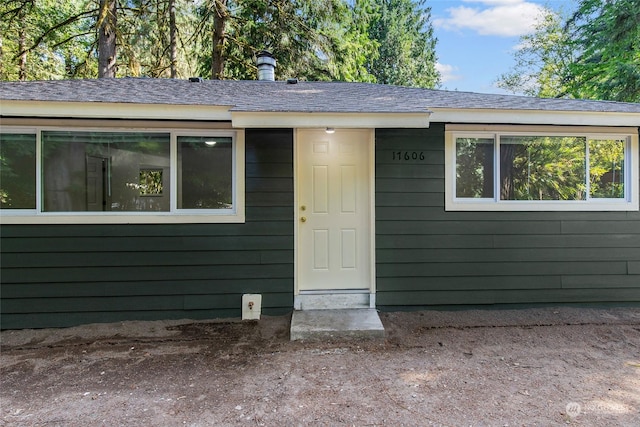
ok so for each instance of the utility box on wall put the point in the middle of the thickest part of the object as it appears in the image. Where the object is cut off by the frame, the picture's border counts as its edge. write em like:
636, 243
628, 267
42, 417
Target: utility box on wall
251, 306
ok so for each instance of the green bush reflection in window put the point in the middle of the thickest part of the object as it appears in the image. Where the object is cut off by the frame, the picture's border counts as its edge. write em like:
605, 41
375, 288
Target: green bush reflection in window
474, 167
606, 168
151, 182
542, 168
17, 171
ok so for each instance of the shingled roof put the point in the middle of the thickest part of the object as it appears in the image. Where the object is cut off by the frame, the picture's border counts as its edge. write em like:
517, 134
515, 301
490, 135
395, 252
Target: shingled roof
303, 97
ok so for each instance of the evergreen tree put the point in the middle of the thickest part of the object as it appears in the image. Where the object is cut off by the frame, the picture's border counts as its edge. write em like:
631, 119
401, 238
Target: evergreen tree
406, 54
541, 60
606, 35
349, 40
594, 54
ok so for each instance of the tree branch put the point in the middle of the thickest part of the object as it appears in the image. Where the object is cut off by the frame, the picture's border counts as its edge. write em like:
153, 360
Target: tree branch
67, 21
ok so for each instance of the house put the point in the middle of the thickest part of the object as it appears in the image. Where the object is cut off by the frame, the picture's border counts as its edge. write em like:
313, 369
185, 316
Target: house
145, 199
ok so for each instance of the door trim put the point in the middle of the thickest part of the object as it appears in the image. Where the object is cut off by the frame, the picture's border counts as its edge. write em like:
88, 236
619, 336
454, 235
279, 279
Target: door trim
296, 217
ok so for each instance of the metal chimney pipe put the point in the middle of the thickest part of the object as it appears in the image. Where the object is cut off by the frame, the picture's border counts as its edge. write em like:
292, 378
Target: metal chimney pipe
266, 66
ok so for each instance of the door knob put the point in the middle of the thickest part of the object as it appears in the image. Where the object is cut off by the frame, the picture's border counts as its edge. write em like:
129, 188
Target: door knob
303, 219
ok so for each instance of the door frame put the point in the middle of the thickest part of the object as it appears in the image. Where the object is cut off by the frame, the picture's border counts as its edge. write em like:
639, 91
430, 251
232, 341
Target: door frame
297, 166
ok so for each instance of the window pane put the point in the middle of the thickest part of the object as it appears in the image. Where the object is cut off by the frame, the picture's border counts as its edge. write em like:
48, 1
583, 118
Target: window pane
17, 171
606, 168
542, 168
205, 172
474, 167
101, 171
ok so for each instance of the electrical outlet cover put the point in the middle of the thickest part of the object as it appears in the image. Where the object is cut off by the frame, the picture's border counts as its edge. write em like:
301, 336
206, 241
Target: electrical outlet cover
252, 313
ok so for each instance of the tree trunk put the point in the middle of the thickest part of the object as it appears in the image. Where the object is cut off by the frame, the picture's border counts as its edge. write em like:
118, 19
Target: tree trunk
2, 73
107, 22
507, 155
173, 48
487, 171
220, 20
22, 46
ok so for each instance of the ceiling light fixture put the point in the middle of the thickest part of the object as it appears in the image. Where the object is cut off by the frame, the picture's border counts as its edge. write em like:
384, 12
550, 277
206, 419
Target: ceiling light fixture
330, 130
210, 143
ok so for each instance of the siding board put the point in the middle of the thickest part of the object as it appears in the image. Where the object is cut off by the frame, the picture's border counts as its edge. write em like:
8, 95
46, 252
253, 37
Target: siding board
144, 244
412, 241
269, 199
436, 269
126, 258
598, 281
257, 184
437, 212
434, 211
568, 241
458, 283
273, 170
410, 170
132, 303
424, 226
508, 255
402, 200
392, 184
601, 227
519, 296
133, 259
256, 227
138, 288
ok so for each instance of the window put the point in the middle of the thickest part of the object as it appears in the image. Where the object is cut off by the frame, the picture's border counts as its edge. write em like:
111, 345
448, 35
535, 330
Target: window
124, 176
205, 176
514, 169
104, 171
542, 167
474, 167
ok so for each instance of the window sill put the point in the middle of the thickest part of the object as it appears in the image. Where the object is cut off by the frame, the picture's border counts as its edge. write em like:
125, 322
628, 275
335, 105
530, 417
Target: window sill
540, 206
126, 218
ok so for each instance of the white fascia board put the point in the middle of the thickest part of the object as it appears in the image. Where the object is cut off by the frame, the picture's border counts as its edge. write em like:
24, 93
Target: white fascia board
109, 110
242, 119
540, 117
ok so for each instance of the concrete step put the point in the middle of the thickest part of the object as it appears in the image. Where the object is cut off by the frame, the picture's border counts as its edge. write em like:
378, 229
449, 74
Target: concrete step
320, 325
332, 300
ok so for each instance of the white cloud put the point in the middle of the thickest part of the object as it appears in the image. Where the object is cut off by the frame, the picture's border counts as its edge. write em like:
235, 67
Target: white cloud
505, 18
499, 2
448, 73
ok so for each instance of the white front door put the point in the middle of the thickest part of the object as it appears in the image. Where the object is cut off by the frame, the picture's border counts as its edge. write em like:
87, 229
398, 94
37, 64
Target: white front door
334, 218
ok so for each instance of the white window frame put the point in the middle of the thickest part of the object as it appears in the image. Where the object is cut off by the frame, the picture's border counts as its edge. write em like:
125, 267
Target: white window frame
631, 180
173, 216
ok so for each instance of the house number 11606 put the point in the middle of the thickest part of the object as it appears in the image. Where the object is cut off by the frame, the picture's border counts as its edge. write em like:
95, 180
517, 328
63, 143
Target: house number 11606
408, 155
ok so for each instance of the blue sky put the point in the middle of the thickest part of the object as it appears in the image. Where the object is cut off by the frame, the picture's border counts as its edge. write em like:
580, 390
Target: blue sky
477, 38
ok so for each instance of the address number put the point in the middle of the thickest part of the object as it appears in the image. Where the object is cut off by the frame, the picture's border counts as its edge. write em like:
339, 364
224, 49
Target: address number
408, 155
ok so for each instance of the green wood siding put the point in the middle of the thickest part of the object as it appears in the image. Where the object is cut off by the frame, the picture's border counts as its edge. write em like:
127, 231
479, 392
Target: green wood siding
427, 257
62, 275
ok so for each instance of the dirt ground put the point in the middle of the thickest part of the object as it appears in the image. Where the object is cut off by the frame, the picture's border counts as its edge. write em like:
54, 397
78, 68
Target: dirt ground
533, 367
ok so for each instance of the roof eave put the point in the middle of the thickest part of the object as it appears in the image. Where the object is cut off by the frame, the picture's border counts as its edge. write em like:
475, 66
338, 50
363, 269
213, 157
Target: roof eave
111, 110
539, 117
246, 119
